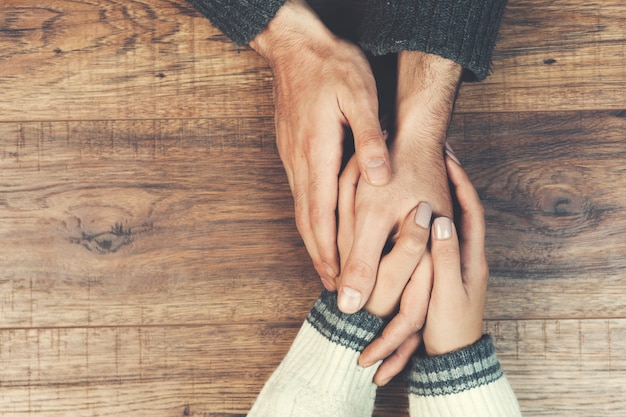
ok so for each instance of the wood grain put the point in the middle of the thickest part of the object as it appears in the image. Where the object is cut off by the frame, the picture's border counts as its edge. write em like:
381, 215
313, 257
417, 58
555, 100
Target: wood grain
123, 60
555, 55
169, 213
553, 189
149, 260
103, 209
217, 370
162, 59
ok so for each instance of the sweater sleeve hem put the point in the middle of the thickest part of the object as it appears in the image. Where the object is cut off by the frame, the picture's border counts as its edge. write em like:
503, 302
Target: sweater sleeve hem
463, 31
465, 383
241, 21
454, 372
353, 331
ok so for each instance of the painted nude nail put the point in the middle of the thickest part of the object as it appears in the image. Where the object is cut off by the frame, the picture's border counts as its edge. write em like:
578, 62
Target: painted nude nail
330, 271
451, 154
443, 228
423, 214
327, 285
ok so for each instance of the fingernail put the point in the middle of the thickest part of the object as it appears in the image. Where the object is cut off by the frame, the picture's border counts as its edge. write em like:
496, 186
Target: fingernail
365, 364
423, 215
384, 382
377, 172
451, 154
349, 300
443, 228
330, 271
327, 285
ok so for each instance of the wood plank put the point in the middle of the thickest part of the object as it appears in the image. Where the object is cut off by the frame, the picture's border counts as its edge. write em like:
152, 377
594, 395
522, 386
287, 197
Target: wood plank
116, 223
146, 223
161, 59
553, 189
157, 371
555, 55
133, 60
564, 367
149, 261
218, 370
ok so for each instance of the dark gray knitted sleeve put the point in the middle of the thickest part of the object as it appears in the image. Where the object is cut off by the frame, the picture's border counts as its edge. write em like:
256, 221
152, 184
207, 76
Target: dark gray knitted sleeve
240, 20
464, 31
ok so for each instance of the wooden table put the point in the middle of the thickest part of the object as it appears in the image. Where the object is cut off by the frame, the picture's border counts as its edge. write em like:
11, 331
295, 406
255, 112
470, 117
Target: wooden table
149, 261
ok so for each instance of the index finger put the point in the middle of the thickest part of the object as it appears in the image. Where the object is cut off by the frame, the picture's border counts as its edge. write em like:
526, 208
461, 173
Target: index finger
472, 221
323, 185
409, 319
358, 276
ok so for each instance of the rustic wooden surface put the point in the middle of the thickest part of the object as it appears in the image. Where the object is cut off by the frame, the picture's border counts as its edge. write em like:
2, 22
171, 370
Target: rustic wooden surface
149, 261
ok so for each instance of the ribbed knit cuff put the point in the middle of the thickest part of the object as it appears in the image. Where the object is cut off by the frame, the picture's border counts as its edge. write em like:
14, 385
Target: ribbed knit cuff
352, 331
463, 31
320, 375
468, 382
240, 20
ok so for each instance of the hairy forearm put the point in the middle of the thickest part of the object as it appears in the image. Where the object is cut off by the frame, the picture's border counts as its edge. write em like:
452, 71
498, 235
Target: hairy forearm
427, 86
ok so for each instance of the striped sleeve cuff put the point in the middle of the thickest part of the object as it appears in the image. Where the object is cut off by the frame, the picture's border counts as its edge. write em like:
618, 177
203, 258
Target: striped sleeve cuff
468, 382
352, 331
463, 31
320, 374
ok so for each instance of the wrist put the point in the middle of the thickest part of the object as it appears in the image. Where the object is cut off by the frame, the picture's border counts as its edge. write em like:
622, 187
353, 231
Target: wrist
427, 75
427, 86
452, 341
294, 25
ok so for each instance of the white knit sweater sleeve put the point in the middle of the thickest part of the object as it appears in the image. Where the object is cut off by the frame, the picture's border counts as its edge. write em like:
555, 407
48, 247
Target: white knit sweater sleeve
464, 383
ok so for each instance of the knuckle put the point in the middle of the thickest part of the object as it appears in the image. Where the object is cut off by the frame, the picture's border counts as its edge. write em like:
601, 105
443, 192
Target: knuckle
357, 269
388, 342
481, 269
483, 266
369, 138
413, 246
480, 209
448, 256
303, 225
415, 322
318, 213
315, 183
303, 222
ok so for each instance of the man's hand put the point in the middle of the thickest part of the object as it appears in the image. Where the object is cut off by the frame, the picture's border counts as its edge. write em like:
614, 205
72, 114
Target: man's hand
322, 85
369, 216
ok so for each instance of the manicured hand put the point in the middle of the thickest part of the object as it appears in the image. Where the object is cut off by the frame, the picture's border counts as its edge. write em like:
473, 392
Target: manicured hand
457, 302
455, 305
371, 215
322, 86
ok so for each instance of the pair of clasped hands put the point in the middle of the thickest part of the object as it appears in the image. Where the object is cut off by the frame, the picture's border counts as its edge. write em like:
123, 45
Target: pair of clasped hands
388, 191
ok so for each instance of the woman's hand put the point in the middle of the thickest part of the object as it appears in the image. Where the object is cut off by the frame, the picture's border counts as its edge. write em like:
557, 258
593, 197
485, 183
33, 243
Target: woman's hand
457, 301
446, 292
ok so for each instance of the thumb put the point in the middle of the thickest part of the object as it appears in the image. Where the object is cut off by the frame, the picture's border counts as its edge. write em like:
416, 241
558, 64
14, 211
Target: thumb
370, 147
